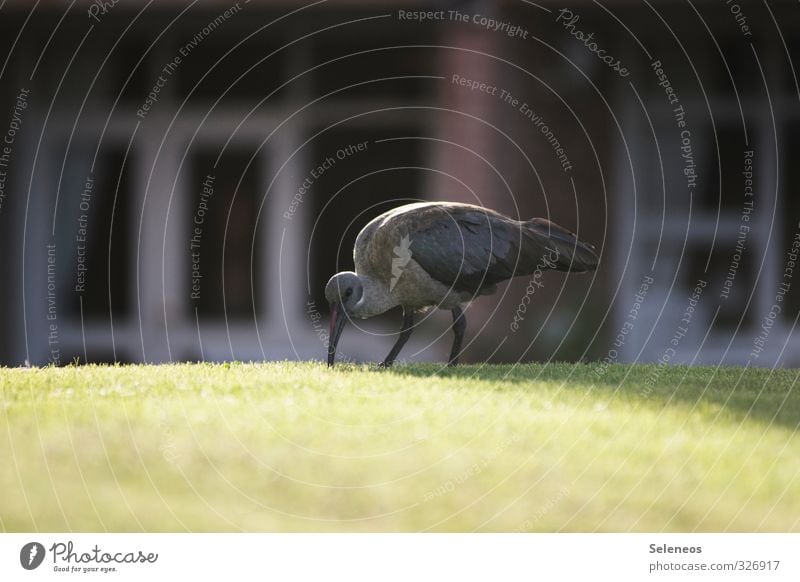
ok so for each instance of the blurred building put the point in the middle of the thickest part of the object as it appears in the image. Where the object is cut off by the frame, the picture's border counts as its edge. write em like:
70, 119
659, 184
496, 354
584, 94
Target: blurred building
184, 177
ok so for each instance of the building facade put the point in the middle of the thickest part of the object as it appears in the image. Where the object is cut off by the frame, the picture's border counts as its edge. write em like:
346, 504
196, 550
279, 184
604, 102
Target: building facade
183, 180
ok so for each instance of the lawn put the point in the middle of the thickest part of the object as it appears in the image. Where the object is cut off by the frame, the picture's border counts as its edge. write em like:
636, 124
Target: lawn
299, 447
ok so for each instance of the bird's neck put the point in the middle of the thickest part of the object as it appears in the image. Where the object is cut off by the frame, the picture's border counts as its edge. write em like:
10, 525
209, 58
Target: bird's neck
376, 299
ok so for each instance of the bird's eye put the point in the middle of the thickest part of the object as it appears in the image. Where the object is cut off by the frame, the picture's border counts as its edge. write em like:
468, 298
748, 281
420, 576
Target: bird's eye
349, 292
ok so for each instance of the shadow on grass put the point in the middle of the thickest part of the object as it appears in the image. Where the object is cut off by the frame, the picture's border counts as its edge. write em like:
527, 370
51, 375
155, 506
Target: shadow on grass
758, 394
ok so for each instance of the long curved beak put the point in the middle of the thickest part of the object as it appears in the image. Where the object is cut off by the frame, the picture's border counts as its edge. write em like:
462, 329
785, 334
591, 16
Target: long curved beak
338, 319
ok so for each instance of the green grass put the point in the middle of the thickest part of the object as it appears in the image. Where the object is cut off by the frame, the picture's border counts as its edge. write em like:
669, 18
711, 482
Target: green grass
297, 447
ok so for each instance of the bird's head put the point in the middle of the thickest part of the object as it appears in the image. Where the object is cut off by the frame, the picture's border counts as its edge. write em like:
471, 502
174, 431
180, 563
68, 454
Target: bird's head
343, 291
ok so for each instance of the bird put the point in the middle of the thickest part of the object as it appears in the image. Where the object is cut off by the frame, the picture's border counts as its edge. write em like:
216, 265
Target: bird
443, 255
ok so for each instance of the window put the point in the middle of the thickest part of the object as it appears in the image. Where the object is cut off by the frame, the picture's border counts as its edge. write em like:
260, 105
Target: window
93, 234
730, 239
222, 242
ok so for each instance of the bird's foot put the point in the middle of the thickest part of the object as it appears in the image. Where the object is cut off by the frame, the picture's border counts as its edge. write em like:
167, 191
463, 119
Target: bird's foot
452, 363
386, 364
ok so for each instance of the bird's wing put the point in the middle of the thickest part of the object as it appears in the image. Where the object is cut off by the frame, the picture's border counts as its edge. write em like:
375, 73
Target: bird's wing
472, 250
467, 250
573, 254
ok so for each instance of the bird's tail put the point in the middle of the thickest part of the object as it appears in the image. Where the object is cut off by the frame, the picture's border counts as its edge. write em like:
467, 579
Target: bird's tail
566, 252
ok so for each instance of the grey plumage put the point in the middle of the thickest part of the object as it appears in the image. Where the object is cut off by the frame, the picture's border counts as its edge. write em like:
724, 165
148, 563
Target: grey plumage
456, 252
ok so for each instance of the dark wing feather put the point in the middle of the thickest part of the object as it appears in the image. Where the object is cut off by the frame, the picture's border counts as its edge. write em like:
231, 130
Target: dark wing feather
573, 255
469, 250
472, 251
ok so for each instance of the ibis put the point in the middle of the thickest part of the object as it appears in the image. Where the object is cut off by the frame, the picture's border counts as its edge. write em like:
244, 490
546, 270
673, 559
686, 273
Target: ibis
443, 255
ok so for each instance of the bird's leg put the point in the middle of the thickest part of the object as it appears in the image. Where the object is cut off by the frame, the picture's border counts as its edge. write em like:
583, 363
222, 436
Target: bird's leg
405, 333
459, 327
